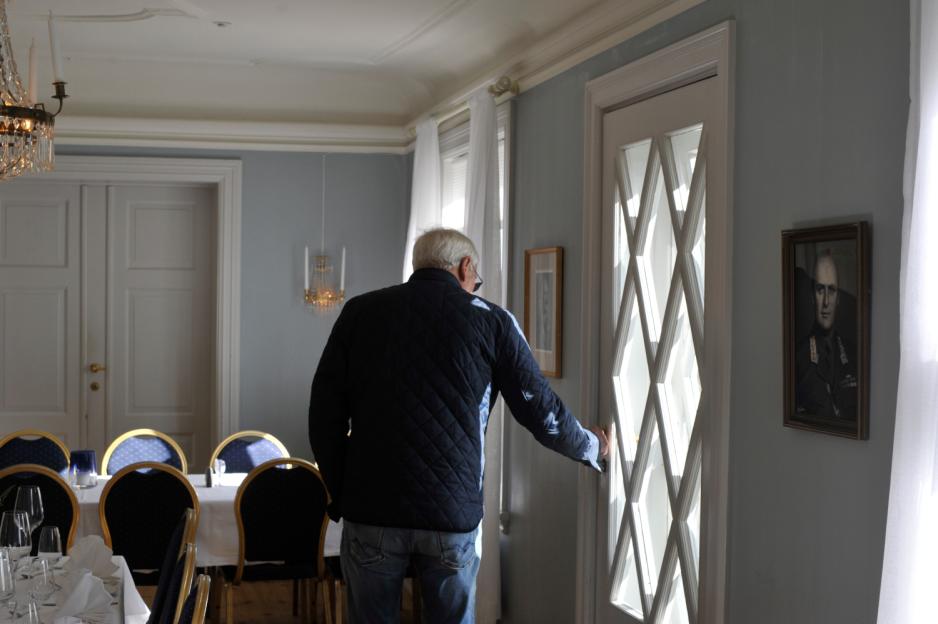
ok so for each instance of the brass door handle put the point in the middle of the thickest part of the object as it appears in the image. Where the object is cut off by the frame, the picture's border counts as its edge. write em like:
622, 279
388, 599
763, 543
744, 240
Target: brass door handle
96, 368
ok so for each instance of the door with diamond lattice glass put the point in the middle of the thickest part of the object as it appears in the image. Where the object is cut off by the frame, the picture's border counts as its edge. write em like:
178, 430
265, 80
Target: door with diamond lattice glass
654, 324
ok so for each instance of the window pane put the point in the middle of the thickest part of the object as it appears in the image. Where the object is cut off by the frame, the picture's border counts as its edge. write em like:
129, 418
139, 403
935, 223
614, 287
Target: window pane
633, 162
653, 515
684, 146
626, 593
679, 393
676, 610
455, 171
630, 382
656, 259
693, 527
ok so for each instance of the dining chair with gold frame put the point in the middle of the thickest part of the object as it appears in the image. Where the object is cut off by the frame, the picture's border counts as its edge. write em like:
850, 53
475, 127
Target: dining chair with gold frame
246, 450
59, 501
139, 510
196, 605
276, 484
143, 445
34, 446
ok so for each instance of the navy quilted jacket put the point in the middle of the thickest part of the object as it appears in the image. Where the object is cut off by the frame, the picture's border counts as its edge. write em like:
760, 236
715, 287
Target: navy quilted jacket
400, 403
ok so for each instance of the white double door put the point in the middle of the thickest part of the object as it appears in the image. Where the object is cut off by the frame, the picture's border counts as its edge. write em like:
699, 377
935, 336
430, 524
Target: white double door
107, 311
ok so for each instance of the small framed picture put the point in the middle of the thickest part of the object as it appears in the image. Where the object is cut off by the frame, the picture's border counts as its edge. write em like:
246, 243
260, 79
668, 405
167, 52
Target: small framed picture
825, 294
543, 303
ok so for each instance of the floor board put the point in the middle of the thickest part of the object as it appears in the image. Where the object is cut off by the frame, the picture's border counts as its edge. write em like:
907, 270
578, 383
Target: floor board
271, 602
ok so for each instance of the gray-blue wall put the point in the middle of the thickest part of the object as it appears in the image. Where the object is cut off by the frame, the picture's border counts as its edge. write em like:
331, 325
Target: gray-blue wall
821, 107
367, 205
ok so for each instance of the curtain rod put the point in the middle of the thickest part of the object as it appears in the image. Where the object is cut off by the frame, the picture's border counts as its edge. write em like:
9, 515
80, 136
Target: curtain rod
503, 89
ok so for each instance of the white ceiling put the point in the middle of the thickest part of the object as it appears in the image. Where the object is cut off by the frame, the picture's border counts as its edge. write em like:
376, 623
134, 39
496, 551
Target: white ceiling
379, 62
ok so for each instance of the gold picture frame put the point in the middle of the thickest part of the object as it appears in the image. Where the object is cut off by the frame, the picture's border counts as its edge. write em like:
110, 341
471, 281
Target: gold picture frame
543, 306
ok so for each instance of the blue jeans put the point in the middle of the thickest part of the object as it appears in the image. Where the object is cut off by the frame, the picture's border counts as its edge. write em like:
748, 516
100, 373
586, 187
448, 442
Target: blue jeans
375, 560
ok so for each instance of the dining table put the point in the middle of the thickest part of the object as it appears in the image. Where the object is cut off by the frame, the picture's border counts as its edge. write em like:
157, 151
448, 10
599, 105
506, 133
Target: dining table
217, 532
127, 606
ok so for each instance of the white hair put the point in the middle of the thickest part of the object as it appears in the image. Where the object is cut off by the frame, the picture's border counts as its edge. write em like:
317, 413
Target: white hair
443, 249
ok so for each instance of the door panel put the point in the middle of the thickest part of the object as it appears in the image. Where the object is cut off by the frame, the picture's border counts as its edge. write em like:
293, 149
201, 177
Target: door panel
653, 327
40, 282
161, 313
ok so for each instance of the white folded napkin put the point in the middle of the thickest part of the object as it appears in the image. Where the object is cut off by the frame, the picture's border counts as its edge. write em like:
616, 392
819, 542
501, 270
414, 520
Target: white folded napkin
90, 553
88, 601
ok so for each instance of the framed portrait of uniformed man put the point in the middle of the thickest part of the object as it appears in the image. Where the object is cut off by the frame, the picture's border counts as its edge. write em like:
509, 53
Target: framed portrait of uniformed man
826, 329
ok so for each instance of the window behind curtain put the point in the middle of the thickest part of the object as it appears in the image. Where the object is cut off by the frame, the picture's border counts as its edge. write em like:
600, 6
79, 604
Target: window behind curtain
455, 171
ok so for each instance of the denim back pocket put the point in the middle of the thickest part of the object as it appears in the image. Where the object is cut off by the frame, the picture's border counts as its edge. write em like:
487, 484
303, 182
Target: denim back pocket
365, 543
457, 550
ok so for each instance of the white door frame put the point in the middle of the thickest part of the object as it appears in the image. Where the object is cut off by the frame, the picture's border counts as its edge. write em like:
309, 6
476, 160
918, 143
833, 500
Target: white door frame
709, 54
225, 176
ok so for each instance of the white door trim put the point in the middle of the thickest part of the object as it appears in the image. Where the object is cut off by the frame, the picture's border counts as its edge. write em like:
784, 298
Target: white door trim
225, 176
709, 54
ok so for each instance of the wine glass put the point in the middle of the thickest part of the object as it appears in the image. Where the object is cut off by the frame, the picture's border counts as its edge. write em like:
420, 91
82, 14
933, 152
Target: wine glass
31, 615
14, 534
7, 580
44, 581
50, 544
29, 499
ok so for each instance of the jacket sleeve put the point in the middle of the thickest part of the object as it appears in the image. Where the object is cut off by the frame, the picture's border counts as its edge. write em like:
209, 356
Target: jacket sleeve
534, 404
329, 410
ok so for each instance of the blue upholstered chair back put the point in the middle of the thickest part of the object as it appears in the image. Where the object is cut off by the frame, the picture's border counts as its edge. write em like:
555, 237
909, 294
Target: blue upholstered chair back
143, 449
40, 450
246, 454
270, 534
60, 506
141, 510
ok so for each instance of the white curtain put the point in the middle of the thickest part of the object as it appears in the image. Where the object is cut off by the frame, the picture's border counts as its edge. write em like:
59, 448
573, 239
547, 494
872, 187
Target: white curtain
910, 565
483, 226
425, 210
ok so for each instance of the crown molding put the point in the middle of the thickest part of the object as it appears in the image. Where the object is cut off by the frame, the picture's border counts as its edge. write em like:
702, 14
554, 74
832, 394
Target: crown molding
607, 25
595, 31
228, 135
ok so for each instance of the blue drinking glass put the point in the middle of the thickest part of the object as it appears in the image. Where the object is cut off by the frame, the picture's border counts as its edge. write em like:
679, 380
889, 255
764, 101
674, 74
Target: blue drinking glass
82, 466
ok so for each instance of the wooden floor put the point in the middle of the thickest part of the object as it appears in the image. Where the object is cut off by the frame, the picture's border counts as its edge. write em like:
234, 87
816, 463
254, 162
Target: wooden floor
271, 602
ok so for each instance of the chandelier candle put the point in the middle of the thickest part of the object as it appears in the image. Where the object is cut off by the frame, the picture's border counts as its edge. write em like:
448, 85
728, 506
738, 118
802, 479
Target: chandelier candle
342, 272
57, 74
31, 89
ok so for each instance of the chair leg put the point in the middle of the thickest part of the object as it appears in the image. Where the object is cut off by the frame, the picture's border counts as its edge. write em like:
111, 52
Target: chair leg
339, 603
303, 600
296, 597
213, 604
311, 603
229, 603
326, 602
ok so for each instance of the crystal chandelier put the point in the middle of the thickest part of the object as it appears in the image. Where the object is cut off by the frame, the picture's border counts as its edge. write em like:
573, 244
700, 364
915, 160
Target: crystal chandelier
322, 294
26, 127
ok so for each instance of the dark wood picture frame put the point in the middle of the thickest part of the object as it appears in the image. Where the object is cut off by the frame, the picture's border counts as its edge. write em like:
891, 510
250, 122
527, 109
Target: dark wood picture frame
543, 306
826, 329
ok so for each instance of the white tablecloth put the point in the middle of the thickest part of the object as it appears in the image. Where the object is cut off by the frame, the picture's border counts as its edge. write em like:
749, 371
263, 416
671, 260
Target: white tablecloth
131, 609
217, 534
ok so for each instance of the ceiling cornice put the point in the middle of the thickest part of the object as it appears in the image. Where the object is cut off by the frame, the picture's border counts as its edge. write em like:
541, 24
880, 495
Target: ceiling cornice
240, 135
599, 29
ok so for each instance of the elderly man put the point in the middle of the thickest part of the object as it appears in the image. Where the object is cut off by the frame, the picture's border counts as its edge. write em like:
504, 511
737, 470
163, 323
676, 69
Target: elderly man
826, 372
397, 419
